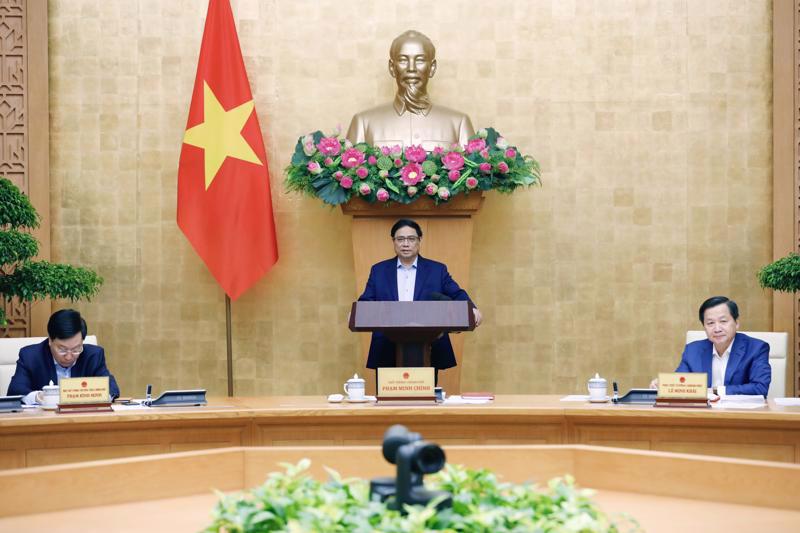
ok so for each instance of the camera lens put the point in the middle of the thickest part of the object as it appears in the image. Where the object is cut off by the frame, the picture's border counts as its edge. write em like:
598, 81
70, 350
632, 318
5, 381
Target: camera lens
429, 459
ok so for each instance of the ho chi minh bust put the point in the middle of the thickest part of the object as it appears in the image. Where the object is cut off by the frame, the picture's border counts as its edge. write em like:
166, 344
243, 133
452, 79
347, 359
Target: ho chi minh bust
411, 119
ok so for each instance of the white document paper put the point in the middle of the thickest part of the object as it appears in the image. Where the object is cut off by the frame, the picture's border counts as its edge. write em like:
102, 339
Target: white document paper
129, 407
788, 402
744, 398
740, 401
576, 398
458, 400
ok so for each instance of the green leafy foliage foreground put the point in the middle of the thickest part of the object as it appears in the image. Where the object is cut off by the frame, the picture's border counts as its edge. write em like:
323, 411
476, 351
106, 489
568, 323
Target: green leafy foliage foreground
20, 275
292, 501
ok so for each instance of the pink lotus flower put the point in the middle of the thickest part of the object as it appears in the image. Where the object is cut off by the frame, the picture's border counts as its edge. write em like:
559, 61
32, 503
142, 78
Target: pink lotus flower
328, 161
431, 189
416, 154
371, 160
385, 150
338, 175
443, 192
364, 189
346, 182
329, 146
453, 161
308, 145
382, 195
362, 172
352, 158
396, 150
398, 163
485, 153
511, 153
314, 167
411, 191
438, 150
475, 145
502, 166
411, 174
472, 182
453, 175
485, 168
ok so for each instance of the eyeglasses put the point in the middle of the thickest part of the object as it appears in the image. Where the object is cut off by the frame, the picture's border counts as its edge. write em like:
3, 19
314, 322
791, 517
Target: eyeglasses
410, 240
65, 351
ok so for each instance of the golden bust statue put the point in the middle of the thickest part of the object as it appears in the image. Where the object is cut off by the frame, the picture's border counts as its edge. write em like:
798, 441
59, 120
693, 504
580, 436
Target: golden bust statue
411, 119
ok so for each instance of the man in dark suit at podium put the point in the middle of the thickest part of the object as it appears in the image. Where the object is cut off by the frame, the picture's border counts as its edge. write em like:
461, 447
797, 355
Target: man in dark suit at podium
410, 277
62, 355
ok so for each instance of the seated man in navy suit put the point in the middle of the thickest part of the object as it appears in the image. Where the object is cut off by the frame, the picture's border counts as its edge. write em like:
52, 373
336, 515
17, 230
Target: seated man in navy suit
734, 362
61, 355
409, 277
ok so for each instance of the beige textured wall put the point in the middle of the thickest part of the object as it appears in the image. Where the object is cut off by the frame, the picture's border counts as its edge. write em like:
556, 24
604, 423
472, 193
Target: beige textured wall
651, 120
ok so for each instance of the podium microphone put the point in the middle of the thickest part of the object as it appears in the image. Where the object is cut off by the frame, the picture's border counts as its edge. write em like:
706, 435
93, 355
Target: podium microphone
439, 297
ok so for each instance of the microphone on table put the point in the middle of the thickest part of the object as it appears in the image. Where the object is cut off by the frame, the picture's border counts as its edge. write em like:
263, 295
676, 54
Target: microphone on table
615, 398
439, 297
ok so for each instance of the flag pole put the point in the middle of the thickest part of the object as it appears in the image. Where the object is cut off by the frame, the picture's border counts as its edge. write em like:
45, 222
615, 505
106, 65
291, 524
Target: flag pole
230, 343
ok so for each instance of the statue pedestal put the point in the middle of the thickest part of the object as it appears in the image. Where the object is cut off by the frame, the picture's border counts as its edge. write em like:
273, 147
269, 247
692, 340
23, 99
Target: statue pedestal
447, 237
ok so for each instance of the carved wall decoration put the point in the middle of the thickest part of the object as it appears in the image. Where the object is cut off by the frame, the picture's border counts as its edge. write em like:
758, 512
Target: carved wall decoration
14, 129
796, 64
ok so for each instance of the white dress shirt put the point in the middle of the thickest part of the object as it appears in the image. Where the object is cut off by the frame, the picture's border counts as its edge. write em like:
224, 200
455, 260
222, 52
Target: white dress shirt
406, 278
719, 364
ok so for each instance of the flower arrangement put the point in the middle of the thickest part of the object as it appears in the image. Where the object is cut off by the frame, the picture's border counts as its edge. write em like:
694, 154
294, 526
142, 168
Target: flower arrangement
334, 170
293, 501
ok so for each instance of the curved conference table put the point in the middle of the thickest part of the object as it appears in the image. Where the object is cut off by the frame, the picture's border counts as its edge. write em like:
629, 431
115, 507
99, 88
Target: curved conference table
38, 438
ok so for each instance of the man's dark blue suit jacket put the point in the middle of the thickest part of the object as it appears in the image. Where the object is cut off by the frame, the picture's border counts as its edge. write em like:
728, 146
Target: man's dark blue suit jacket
432, 277
36, 368
748, 370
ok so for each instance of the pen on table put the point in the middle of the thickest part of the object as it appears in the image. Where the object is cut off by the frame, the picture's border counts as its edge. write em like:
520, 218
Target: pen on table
615, 398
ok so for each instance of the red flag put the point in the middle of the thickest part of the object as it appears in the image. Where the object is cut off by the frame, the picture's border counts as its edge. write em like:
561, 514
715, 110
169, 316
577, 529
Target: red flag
224, 202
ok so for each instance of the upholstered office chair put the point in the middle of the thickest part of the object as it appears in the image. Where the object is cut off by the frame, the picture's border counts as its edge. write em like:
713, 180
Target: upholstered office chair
9, 353
778, 349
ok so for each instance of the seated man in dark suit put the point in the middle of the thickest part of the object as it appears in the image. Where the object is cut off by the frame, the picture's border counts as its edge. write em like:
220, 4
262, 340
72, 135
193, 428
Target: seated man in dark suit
734, 362
62, 355
409, 277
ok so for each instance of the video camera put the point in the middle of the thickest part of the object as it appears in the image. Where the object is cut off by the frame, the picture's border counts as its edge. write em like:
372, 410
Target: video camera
414, 458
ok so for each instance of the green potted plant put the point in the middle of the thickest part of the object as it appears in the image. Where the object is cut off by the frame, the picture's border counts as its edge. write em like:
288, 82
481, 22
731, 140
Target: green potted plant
292, 501
20, 275
782, 275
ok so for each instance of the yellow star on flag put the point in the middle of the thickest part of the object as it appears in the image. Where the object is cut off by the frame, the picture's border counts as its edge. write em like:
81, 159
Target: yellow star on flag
220, 135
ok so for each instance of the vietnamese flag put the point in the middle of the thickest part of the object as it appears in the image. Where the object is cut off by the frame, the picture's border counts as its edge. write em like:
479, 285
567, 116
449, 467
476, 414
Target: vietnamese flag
224, 202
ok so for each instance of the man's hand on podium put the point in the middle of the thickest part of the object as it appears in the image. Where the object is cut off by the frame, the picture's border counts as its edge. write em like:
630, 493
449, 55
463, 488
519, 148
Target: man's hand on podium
478, 316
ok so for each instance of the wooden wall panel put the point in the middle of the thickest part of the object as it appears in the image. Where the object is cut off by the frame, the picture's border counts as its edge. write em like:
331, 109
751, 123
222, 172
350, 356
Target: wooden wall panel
24, 133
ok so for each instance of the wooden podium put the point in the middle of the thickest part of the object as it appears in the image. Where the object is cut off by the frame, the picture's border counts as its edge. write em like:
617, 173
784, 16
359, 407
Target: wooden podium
447, 237
412, 326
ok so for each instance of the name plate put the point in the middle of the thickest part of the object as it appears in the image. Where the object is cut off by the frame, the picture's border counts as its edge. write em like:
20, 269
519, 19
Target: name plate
84, 394
682, 389
406, 383
683, 385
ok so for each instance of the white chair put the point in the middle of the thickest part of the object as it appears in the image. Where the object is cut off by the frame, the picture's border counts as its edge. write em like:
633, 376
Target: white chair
778, 350
9, 353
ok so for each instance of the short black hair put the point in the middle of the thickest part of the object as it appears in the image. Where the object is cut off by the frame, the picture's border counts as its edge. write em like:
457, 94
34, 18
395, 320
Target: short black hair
65, 324
719, 300
406, 222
